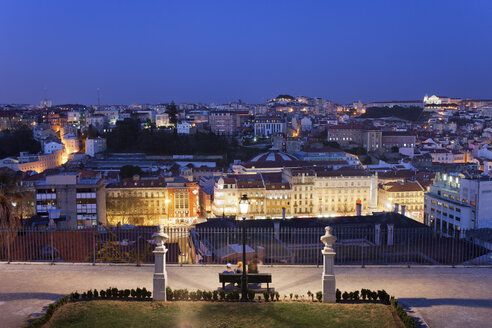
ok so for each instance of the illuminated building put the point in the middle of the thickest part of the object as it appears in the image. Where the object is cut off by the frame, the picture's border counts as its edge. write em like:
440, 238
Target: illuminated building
34, 162
152, 201
300, 192
409, 194
80, 198
457, 202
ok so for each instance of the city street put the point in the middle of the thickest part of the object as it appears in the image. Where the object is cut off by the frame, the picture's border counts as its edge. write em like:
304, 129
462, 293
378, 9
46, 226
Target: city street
444, 297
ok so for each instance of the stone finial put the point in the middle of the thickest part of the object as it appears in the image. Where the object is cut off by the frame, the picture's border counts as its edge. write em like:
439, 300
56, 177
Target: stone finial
328, 239
160, 237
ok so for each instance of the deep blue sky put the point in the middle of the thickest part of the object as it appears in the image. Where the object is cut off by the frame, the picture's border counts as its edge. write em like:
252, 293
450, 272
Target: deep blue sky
204, 51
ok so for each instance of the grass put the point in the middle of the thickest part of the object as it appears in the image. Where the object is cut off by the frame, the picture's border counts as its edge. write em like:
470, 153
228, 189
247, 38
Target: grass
209, 314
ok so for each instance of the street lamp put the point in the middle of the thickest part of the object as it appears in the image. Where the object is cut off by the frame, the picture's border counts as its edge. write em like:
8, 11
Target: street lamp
243, 208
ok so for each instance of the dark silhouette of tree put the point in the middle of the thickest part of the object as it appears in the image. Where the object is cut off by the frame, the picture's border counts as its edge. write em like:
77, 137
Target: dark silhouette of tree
129, 171
172, 111
13, 142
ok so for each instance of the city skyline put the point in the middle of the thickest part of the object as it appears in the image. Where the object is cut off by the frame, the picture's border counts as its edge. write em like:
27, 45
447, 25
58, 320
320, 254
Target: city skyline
155, 53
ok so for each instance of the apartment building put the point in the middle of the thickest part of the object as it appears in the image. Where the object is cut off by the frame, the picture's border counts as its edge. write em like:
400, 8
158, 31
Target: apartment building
297, 192
369, 138
34, 162
457, 202
406, 194
222, 122
152, 201
266, 126
81, 198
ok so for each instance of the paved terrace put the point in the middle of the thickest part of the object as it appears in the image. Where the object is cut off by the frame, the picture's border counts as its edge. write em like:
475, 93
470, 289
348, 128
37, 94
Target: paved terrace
444, 297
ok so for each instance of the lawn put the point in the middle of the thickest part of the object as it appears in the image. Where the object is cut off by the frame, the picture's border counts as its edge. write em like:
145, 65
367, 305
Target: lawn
211, 314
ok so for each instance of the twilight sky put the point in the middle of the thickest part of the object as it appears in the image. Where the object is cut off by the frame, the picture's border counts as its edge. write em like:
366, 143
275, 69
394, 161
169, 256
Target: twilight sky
204, 51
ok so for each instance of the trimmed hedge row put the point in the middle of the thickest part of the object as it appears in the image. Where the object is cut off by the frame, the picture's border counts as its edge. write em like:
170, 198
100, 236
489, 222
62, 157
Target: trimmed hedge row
203, 295
112, 293
49, 313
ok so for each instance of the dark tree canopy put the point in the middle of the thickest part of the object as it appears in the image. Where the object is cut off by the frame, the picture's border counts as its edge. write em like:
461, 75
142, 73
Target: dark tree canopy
12, 143
172, 111
129, 171
411, 113
128, 137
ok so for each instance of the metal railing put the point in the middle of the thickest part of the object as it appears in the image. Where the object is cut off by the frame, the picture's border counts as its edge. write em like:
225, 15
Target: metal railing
354, 246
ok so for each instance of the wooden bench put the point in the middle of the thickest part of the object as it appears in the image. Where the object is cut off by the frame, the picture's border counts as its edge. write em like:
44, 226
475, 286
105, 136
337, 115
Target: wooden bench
253, 278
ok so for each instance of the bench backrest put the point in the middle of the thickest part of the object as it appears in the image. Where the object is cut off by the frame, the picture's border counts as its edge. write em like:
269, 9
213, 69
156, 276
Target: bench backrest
252, 277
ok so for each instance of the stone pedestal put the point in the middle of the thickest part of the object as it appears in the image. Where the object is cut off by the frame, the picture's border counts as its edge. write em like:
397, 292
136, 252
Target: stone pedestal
328, 277
160, 273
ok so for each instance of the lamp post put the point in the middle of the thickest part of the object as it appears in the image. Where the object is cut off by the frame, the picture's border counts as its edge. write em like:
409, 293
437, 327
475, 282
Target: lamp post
243, 208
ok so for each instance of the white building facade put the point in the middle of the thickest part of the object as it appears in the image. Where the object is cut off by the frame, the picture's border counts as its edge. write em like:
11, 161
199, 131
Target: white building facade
456, 202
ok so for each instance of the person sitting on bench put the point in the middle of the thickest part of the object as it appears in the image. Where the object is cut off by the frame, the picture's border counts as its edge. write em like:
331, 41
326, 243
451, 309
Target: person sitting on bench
253, 268
228, 268
239, 268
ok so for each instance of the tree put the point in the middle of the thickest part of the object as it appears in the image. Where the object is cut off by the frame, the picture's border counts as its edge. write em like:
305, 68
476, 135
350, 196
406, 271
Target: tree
12, 143
129, 171
333, 144
172, 111
10, 194
92, 132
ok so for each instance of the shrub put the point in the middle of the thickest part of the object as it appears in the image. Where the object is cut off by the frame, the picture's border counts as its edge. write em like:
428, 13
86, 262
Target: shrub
363, 293
199, 295
345, 296
84, 295
374, 296
319, 296
277, 295
296, 296
266, 295
96, 293
408, 321
138, 292
207, 296
169, 293
338, 295
121, 293
291, 296
103, 294
356, 295
114, 292
384, 296
215, 295
90, 294
251, 295
145, 293
193, 296
222, 295
133, 293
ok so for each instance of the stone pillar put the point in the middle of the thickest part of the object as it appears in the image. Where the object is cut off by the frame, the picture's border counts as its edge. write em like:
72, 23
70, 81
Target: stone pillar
377, 234
328, 277
390, 234
160, 273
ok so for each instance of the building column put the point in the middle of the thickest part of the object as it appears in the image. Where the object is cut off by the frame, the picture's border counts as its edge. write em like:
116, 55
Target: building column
160, 273
328, 277
373, 200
